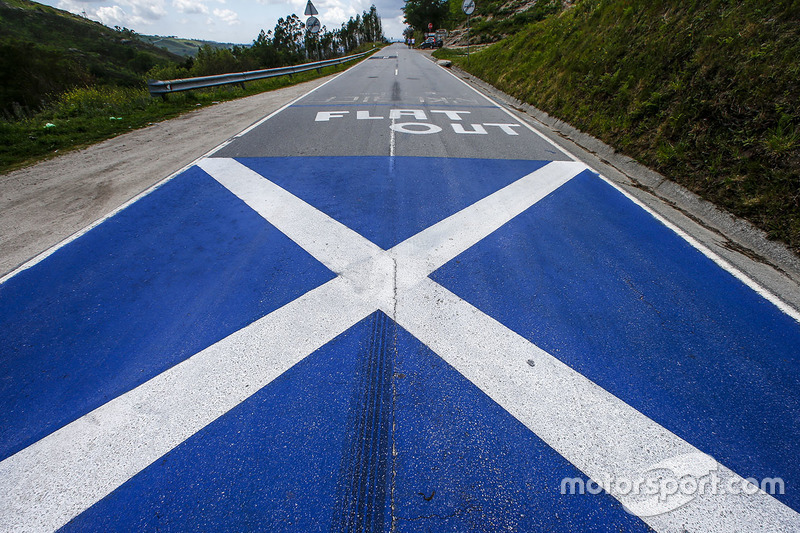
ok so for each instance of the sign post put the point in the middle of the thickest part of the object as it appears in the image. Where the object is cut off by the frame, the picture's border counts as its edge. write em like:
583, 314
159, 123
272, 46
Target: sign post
468, 6
313, 25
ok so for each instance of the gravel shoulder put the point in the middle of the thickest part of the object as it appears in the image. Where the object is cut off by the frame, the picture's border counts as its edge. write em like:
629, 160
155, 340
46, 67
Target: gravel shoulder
44, 204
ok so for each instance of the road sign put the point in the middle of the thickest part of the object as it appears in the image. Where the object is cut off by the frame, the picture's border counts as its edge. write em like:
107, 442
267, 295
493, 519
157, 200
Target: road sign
310, 9
469, 8
430, 25
312, 24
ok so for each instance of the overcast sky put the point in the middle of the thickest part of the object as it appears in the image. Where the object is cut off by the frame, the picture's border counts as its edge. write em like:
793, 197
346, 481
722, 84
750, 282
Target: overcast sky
234, 21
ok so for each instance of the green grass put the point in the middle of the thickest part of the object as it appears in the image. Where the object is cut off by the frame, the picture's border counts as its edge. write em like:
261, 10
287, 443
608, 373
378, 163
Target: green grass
450, 53
497, 19
85, 116
504, 21
705, 92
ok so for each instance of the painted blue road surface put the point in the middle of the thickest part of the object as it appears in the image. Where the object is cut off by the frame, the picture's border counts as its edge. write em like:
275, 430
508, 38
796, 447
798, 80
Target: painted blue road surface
417, 332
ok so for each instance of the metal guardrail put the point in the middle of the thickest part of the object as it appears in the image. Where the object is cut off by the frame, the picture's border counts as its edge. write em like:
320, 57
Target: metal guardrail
163, 88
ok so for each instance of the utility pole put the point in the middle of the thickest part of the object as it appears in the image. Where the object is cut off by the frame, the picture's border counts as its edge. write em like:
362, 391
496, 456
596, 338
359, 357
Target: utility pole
313, 25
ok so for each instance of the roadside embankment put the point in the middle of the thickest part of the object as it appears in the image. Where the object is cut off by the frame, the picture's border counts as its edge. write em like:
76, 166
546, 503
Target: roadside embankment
705, 93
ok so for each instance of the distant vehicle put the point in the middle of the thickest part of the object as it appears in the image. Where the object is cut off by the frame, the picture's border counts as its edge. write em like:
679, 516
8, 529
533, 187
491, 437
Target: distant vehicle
432, 42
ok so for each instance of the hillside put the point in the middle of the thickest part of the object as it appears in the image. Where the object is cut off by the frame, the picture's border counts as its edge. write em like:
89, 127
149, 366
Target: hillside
705, 92
495, 20
45, 51
181, 47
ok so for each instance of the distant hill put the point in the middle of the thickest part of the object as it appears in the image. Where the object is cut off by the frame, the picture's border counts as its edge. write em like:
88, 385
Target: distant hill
182, 47
45, 51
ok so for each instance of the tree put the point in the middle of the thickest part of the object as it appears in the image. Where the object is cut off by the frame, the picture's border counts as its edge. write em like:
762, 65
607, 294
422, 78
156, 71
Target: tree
420, 13
371, 23
210, 61
288, 39
328, 43
263, 51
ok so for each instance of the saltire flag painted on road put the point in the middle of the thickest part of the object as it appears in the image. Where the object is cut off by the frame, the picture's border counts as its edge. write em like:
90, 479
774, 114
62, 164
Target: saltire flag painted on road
389, 416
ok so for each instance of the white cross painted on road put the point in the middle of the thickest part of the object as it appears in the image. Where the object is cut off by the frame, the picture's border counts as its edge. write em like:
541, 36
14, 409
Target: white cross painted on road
45, 485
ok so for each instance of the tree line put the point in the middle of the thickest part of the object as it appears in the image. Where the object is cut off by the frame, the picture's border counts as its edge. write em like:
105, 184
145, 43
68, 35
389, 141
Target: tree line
288, 43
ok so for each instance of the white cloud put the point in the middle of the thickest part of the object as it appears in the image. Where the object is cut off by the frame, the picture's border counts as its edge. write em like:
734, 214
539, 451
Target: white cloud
336, 14
227, 16
81, 7
146, 10
393, 27
71, 6
139, 12
190, 7
112, 16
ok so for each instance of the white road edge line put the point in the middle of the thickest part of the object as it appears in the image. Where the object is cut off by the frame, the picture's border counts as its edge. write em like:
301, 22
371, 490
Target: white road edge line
713, 256
716, 258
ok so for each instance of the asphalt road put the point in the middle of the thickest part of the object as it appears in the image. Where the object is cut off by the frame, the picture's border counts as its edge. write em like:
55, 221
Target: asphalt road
393, 306
433, 113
